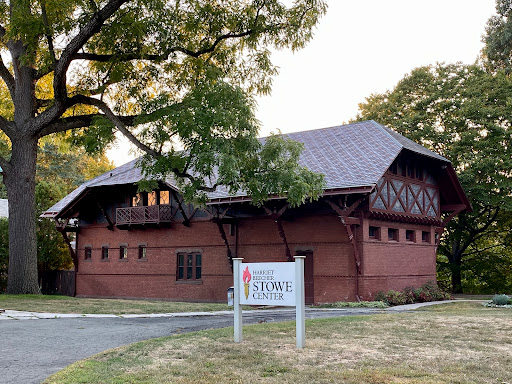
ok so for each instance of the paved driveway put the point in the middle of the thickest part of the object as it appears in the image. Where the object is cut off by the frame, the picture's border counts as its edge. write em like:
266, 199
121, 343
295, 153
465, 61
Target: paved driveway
31, 350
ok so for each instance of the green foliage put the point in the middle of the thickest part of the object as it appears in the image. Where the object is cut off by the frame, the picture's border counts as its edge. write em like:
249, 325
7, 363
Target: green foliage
177, 77
230, 153
501, 300
498, 38
463, 113
349, 304
409, 295
59, 171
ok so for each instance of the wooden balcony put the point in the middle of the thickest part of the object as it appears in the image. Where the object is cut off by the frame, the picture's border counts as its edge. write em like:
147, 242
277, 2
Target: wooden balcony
153, 214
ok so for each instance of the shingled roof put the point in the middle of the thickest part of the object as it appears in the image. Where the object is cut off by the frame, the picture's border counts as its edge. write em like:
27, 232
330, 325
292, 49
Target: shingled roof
350, 156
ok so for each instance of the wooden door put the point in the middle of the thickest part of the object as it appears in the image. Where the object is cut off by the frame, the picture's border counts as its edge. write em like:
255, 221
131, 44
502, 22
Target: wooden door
309, 282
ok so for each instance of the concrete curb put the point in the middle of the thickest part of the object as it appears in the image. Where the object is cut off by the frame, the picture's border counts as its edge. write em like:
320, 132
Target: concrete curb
22, 315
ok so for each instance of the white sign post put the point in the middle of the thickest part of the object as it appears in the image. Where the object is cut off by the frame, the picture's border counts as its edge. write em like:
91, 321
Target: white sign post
236, 300
300, 310
279, 284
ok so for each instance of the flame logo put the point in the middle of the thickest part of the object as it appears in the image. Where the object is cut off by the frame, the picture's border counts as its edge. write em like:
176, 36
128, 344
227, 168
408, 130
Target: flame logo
246, 277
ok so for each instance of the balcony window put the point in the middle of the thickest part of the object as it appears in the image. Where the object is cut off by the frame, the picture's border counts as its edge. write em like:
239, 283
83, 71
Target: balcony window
410, 235
164, 197
425, 237
152, 198
137, 200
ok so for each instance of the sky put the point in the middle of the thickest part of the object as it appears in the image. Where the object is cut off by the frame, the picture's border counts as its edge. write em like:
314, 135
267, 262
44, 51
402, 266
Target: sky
361, 47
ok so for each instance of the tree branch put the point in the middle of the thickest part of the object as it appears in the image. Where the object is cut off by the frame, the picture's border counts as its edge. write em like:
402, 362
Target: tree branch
47, 32
164, 56
81, 121
92, 27
8, 78
116, 120
121, 122
6, 126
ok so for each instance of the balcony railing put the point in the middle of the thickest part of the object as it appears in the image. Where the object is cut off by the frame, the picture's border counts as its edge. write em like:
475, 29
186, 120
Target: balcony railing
153, 214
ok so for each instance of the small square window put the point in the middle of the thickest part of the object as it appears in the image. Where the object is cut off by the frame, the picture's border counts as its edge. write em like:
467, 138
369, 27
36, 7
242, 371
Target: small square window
392, 234
123, 252
142, 251
104, 253
425, 237
410, 235
88, 253
374, 233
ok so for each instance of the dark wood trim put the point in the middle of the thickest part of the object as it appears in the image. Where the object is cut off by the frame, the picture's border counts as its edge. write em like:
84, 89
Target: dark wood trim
387, 185
276, 216
186, 220
110, 225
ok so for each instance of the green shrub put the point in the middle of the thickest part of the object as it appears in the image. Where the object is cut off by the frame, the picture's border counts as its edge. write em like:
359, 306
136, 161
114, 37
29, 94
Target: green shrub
348, 304
409, 295
501, 300
395, 298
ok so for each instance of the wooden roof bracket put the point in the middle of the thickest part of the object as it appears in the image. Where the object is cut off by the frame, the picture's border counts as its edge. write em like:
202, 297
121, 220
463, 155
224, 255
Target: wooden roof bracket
217, 219
458, 208
186, 220
110, 225
276, 216
348, 222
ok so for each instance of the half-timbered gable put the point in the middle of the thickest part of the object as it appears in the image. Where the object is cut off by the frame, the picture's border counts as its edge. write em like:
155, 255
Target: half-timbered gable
376, 227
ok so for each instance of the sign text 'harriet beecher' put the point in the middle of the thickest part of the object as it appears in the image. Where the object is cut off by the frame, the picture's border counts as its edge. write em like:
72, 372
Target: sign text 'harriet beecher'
267, 284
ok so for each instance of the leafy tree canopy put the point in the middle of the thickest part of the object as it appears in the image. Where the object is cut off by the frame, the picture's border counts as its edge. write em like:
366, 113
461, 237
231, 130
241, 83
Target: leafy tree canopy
463, 113
176, 77
498, 38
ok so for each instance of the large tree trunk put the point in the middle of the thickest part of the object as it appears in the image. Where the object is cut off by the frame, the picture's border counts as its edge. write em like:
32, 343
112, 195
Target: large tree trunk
20, 183
455, 259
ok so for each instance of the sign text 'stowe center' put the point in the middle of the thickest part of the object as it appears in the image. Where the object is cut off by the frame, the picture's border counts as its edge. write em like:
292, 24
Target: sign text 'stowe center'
267, 284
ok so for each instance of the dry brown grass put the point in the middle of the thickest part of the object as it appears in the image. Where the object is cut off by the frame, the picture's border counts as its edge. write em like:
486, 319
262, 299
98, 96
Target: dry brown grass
462, 343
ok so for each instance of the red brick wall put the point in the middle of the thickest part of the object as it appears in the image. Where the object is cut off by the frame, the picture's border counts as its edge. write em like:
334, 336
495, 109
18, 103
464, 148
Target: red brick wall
385, 264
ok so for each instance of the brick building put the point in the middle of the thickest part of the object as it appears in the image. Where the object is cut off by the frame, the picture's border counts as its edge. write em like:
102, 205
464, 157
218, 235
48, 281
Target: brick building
386, 202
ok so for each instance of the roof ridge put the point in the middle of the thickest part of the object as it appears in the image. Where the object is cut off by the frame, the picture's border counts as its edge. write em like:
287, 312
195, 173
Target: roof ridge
321, 129
99, 177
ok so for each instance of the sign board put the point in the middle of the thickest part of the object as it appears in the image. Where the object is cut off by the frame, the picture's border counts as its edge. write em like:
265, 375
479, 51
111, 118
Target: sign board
267, 284
279, 284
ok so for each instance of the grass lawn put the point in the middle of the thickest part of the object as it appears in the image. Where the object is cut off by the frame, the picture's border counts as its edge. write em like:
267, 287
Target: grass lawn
66, 304
450, 343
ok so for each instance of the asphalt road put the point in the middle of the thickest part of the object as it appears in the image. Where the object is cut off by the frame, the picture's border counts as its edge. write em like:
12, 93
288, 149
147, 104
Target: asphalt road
31, 350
